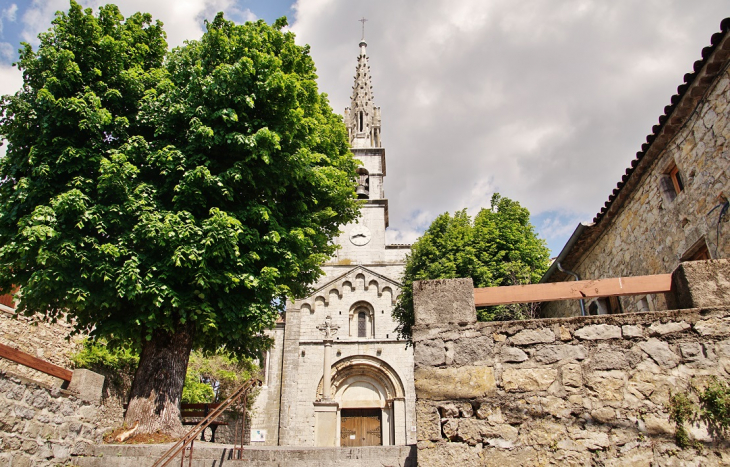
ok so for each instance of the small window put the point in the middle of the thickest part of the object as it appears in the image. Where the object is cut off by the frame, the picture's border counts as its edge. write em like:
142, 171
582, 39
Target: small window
361, 123
361, 325
671, 183
676, 179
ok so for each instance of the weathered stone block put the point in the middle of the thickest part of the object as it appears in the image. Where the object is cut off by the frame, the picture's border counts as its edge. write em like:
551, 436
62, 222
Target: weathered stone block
553, 353
658, 425
449, 410
592, 440
87, 385
691, 351
608, 385
598, 332
469, 351
528, 379
572, 375
713, 327
489, 412
444, 301
429, 353
429, 422
467, 382
604, 414
533, 336
513, 355
628, 331
660, 352
659, 329
700, 284
606, 359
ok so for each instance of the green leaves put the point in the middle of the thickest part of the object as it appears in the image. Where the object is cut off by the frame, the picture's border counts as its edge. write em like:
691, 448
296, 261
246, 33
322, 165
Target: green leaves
143, 189
498, 247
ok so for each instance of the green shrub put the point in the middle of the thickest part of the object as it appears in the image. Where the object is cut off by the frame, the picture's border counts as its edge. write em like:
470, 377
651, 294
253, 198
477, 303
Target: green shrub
715, 408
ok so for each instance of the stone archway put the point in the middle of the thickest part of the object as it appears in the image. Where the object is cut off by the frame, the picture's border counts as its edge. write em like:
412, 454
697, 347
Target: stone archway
368, 388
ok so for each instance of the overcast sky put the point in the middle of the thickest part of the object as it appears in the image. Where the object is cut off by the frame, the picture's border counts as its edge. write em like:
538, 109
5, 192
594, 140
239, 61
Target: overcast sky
543, 102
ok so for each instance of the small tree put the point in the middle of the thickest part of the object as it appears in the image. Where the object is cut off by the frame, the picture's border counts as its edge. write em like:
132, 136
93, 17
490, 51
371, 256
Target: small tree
498, 247
168, 199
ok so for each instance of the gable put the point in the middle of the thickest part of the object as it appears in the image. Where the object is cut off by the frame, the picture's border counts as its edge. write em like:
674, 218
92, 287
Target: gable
350, 281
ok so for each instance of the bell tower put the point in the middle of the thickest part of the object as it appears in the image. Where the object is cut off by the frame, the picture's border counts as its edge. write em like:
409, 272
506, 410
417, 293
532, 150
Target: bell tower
354, 388
364, 241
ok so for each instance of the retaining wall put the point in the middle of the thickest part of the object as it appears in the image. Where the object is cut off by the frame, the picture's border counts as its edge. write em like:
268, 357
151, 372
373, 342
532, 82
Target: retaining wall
44, 425
567, 391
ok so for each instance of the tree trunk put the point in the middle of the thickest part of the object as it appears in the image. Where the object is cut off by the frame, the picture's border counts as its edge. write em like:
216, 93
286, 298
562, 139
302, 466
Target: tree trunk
158, 383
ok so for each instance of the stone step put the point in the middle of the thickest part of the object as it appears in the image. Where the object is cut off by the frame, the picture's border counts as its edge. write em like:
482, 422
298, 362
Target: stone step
217, 455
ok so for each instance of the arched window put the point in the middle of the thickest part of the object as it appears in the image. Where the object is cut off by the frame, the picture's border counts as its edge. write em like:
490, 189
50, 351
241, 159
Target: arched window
362, 325
361, 130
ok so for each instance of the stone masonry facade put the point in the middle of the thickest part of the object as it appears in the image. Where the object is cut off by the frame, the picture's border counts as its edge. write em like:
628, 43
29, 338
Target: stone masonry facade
653, 229
564, 391
42, 425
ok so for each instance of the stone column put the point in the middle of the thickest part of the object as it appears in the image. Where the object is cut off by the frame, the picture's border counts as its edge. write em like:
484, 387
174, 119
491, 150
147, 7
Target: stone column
327, 371
400, 422
325, 410
387, 428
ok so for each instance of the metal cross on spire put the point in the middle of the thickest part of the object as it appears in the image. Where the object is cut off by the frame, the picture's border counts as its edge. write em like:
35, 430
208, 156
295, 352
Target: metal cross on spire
363, 20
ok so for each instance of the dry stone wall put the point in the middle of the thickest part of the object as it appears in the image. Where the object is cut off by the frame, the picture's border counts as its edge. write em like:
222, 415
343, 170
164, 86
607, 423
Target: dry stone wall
44, 425
563, 391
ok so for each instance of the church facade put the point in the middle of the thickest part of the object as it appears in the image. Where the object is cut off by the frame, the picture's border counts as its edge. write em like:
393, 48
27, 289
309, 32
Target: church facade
345, 325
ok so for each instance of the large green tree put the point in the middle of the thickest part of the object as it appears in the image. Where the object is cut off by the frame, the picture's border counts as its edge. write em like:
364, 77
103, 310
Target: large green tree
168, 198
497, 247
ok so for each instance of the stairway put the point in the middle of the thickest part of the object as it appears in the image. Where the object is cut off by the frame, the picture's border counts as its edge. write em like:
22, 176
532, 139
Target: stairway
217, 455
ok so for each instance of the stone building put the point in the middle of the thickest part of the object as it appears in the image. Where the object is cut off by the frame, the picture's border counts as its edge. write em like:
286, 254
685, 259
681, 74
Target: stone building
371, 400
667, 207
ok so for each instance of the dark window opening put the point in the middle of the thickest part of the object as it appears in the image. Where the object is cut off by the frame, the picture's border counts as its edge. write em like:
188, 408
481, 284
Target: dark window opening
361, 329
361, 126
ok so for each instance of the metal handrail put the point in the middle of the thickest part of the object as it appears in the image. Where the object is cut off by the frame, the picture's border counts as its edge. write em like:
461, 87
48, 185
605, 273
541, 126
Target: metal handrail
189, 438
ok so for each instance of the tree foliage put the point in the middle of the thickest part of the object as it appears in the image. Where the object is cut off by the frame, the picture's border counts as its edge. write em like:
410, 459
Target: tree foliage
143, 190
209, 378
223, 372
497, 247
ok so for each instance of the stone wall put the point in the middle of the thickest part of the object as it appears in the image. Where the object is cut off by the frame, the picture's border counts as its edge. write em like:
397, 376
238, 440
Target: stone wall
47, 341
654, 231
44, 425
562, 391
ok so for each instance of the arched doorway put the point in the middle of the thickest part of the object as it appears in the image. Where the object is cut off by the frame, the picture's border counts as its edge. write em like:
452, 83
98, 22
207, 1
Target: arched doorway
371, 401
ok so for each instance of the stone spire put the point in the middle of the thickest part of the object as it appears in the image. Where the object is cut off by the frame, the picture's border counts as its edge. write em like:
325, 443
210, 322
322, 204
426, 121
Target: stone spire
362, 118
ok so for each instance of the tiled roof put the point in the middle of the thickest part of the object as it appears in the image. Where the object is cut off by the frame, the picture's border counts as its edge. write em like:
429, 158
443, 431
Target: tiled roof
681, 107
670, 122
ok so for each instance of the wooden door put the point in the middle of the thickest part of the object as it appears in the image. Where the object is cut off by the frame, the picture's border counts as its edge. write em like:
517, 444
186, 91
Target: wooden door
360, 427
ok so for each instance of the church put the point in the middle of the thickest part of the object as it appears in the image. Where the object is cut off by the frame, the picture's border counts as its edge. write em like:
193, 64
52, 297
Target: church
337, 374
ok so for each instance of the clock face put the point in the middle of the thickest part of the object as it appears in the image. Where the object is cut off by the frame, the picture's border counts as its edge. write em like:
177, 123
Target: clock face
360, 235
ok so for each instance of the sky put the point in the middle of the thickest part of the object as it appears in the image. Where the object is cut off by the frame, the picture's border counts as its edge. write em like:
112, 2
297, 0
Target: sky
543, 102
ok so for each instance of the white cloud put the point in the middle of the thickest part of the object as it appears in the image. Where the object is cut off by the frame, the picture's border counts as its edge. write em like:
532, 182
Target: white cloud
544, 103
7, 51
11, 79
183, 19
7, 14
